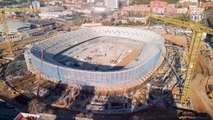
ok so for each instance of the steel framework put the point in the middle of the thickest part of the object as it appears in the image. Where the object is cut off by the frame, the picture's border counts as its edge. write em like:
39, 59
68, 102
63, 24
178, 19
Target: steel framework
196, 38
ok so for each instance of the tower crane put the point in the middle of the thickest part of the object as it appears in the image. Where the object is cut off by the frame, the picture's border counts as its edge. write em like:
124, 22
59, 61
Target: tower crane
5, 31
196, 38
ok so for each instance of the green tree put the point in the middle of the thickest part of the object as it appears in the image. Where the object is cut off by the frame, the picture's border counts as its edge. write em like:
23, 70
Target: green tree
184, 17
141, 2
107, 23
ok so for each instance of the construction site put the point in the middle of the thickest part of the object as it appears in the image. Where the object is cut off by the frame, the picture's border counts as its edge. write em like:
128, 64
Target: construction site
122, 72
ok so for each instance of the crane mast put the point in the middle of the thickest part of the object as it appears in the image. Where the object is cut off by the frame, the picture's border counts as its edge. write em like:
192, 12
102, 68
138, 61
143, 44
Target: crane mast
5, 30
194, 48
5, 33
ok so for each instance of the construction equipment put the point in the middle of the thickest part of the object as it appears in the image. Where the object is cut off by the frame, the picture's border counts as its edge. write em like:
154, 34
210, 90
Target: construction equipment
23, 80
67, 98
196, 37
5, 30
210, 91
210, 95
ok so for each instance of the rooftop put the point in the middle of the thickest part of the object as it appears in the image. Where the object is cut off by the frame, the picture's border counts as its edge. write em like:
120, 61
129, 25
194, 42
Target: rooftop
15, 25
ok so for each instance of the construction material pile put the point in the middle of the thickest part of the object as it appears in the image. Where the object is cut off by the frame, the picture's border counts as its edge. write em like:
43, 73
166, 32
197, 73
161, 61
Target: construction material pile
16, 68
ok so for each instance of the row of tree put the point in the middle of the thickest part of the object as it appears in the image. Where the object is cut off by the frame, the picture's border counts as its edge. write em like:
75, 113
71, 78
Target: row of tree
119, 23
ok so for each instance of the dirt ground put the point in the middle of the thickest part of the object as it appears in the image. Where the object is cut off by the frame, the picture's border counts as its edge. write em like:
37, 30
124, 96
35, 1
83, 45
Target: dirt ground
204, 64
200, 100
105, 52
204, 69
176, 40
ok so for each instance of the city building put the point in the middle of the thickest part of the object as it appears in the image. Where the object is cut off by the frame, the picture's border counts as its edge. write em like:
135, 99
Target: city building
36, 4
206, 5
27, 116
158, 7
15, 28
136, 8
170, 10
196, 14
45, 25
127, 2
158, 4
182, 10
76, 5
52, 8
99, 9
184, 4
191, 1
158, 10
50, 15
113, 4
91, 1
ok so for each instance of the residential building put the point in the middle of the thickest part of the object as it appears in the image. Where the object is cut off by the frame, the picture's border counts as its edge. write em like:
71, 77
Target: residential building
36, 4
158, 10
113, 4
182, 10
171, 10
158, 4
191, 1
91, 1
136, 8
99, 9
206, 5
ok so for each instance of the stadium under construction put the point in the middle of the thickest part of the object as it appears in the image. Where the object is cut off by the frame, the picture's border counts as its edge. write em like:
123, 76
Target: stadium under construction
105, 67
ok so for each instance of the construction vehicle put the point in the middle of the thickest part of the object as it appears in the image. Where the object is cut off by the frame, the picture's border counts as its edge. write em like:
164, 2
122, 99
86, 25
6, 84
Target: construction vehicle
196, 37
67, 98
23, 80
210, 91
210, 95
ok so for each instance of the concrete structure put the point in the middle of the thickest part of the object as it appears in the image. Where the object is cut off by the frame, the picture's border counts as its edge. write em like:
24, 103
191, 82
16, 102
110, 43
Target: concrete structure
27, 116
91, 1
76, 5
50, 15
16, 27
171, 9
58, 50
184, 4
36, 4
158, 4
191, 1
136, 8
113, 4
196, 14
206, 5
158, 10
182, 10
52, 8
127, 2
91, 25
158, 7
99, 9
